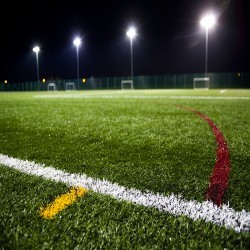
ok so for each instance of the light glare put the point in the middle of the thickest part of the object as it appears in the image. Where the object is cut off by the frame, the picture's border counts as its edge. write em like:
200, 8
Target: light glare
208, 21
77, 41
36, 49
131, 33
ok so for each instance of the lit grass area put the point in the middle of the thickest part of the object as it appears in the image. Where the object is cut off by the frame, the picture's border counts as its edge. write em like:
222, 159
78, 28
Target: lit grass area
138, 142
144, 93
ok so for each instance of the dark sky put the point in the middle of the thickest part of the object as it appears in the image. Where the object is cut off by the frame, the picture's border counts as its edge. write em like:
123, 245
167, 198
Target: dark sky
170, 39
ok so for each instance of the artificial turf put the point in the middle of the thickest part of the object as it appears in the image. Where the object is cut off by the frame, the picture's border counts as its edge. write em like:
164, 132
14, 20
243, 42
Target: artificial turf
138, 139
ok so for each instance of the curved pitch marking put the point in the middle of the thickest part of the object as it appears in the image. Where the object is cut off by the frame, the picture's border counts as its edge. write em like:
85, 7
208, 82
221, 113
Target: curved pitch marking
220, 176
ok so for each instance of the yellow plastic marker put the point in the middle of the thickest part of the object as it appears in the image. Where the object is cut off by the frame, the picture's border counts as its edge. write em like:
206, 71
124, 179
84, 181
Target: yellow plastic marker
61, 202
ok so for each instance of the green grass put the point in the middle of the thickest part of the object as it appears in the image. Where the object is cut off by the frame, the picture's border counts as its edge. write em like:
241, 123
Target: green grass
144, 143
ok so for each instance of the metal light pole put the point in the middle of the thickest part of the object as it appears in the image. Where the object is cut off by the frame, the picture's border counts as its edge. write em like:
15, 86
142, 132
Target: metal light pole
36, 49
131, 33
207, 21
77, 43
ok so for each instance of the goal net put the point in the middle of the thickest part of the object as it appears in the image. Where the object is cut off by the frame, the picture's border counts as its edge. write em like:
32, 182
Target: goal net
51, 86
127, 84
201, 83
70, 86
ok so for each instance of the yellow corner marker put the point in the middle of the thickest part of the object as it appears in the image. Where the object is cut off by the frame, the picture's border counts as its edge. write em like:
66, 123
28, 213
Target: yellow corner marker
62, 202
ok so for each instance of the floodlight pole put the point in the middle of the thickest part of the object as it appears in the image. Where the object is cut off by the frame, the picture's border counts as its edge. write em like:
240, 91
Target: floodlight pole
77, 59
36, 49
208, 21
206, 56
131, 53
131, 33
77, 42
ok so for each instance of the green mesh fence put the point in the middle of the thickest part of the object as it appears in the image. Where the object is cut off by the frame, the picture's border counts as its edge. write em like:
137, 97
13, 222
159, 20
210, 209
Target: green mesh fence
184, 81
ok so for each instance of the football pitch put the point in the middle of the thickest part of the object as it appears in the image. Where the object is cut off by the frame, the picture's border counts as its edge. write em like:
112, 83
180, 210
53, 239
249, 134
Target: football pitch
125, 169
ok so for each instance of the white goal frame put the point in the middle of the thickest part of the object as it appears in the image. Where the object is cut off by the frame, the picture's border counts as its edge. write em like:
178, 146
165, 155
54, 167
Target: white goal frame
51, 86
70, 86
127, 84
201, 83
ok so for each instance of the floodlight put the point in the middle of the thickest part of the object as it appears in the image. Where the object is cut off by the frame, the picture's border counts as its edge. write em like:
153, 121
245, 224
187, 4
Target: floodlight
131, 33
77, 41
208, 21
36, 49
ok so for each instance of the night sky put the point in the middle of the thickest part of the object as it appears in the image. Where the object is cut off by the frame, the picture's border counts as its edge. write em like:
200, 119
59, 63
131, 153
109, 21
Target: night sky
170, 39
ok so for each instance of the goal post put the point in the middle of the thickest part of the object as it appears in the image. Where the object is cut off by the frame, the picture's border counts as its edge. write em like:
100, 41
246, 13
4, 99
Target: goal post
127, 84
201, 82
51, 86
70, 86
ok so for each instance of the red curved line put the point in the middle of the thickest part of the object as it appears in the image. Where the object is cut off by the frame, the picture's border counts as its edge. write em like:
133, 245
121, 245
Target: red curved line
220, 177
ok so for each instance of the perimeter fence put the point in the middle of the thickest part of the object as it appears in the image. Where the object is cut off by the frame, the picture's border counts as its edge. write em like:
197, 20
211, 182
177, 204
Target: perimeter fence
173, 81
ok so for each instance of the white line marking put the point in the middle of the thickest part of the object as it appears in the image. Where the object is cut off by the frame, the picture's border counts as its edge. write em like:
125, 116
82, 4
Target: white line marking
175, 205
223, 91
142, 97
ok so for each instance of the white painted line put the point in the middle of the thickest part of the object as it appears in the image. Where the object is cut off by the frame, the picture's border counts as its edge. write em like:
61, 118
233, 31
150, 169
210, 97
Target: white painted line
141, 97
223, 91
173, 204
